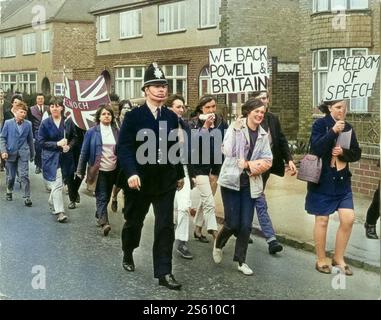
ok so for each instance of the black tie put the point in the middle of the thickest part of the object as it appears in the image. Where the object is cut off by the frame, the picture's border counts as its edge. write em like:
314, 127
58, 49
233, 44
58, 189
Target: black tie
158, 112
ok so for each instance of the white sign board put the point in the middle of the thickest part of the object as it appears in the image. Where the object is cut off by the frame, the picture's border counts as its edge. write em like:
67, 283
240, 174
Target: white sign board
241, 69
351, 77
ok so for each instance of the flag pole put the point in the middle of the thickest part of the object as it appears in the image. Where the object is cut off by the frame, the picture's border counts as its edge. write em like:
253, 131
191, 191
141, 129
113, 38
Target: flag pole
64, 83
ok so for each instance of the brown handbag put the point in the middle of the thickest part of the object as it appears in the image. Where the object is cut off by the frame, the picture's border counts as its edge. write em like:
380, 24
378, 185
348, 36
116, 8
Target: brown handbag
310, 167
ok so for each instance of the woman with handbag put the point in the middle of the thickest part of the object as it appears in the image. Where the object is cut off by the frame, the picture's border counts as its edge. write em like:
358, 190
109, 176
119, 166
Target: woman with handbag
334, 191
99, 154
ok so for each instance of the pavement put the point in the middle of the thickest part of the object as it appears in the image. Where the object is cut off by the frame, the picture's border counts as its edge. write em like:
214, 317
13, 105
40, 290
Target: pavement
294, 226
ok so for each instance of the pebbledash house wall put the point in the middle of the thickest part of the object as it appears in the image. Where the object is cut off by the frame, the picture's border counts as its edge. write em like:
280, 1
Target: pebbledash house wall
362, 30
274, 24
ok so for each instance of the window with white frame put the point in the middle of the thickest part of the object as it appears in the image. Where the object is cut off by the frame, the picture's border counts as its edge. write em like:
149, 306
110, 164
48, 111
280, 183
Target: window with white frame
321, 60
104, 28
45, 41
172, 17
333, 5
129, 81
204, 81
28, 82
9, 81
176, 75
59, 89
29, 43
9, 47
130, 24
208, 13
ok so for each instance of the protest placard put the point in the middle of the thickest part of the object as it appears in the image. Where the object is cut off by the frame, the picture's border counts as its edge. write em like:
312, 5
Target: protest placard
351, 77
240, 69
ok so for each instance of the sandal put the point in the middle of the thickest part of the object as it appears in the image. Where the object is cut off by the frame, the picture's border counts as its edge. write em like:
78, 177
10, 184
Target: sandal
345, 269
323, 269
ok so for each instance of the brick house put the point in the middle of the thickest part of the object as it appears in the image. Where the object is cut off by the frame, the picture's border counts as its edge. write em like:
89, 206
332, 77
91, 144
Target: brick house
332, 28
176, 34
39, 38
274, 24
179, 34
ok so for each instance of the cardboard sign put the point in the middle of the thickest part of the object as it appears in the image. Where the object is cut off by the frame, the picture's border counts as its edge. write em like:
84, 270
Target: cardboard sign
241, 69
351, 77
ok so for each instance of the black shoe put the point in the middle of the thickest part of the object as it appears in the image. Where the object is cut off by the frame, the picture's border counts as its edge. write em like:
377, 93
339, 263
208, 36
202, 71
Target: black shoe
28, 202
201, 238
114, 205
128, 263
184, 251
9, 196
78, 199
170, 282
38, 170
71, 205
250, 240
274, 247
370, 231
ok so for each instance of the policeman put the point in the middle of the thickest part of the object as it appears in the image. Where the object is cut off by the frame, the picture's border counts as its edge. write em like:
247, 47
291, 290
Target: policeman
152, 177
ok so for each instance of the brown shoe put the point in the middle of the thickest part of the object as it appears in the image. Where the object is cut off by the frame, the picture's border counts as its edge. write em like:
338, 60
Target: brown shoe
323, 269
344, 268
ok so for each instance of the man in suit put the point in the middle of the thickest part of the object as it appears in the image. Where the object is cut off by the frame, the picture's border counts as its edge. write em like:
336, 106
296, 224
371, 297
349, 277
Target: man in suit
153, 182
35, 116
16, 147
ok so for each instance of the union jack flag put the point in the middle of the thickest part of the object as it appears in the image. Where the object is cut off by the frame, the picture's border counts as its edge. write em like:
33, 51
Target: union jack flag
82, 99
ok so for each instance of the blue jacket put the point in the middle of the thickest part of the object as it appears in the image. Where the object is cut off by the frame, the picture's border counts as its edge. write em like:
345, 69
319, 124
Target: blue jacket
48, 136
91, 153
16, 144
323, 139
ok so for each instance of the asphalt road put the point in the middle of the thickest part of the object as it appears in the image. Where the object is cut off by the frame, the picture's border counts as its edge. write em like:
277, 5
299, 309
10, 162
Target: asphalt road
42, 259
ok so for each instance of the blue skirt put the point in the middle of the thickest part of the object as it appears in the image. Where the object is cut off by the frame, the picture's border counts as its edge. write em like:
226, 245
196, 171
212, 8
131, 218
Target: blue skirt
323, 204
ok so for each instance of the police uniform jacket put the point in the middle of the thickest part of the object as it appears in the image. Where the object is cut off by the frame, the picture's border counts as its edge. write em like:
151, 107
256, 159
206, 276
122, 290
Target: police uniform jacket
161, 175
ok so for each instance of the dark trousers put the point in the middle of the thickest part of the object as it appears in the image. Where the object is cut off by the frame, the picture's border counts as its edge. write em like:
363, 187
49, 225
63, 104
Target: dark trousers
135, 210
239, 212
103, 190
73, 184
37, 156
374, 209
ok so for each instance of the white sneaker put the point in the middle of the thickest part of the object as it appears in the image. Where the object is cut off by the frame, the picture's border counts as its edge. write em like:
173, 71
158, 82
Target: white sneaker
245, 269
217, 254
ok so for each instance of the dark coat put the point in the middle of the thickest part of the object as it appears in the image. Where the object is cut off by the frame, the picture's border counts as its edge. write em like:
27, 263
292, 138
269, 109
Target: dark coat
68, 163
35, 117
52, 155
323, 139
279, 147
212, 166
156, 177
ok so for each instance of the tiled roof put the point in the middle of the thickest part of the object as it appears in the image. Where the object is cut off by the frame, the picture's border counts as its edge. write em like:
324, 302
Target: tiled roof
51, 10
113, 4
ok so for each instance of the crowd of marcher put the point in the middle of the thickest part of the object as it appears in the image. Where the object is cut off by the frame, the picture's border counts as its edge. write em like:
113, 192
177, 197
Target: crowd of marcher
201, 152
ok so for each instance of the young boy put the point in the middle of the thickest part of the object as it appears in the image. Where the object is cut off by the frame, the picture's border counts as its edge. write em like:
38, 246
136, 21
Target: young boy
16, 147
